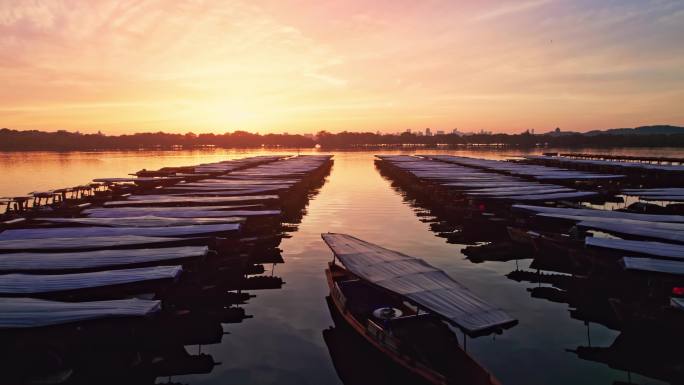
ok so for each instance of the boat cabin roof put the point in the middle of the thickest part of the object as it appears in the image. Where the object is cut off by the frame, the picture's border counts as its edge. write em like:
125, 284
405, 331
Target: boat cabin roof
418, 282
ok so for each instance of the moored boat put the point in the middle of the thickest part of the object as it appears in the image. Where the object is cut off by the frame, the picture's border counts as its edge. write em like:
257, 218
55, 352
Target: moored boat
405, 308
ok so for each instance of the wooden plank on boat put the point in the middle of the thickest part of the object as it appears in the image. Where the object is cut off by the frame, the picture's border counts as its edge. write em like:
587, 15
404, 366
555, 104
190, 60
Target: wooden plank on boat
653, 249
55, 245
32, 313
142, 221
97, 260
32, 284
74, 232
651, 265
165, 200
419, 282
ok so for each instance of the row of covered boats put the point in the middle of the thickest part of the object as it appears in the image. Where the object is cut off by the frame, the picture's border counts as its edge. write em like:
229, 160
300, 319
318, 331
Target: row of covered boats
113, 285
144, 266
620, 265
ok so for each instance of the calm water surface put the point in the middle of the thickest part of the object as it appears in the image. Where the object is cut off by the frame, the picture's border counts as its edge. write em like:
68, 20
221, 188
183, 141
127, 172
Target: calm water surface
283, 343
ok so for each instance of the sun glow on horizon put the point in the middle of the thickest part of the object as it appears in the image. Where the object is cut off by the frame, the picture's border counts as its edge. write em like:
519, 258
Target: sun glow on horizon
305, 66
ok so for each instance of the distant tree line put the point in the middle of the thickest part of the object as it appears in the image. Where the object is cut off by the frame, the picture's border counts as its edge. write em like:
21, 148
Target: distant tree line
525, 139
14, 140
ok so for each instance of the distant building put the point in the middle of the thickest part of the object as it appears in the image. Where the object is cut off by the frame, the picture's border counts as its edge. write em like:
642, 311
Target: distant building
558, 132
408, 130
428, 132
439, 132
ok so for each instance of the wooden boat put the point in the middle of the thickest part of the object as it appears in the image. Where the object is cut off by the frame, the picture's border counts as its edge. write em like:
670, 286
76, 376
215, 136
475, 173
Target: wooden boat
402, 306
34, 313
55, 245
168, 200
96, 231
141, 221
87, 261
98, 284
359, 363
192, 212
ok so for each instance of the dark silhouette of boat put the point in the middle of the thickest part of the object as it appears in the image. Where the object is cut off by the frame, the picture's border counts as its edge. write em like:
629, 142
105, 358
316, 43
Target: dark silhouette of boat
404, 307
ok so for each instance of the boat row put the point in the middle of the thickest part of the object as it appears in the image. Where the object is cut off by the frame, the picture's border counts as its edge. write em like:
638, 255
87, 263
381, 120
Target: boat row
614, 265
144, 271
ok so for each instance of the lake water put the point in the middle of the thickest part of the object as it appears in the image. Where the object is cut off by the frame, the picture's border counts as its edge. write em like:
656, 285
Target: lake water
283, 343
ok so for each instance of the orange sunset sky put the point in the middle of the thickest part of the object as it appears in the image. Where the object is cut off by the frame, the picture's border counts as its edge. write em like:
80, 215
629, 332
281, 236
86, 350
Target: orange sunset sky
304, 66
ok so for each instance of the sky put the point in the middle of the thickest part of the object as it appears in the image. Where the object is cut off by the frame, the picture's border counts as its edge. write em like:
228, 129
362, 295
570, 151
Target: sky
303, 66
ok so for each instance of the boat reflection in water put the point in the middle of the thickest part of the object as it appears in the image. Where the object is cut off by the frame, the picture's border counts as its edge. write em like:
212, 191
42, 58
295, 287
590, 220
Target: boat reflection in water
403, 307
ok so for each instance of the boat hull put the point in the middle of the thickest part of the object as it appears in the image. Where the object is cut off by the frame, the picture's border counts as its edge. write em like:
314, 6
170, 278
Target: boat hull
475, 374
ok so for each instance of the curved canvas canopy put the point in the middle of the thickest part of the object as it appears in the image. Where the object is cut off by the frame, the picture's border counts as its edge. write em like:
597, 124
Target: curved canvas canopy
31, 312
27, 284
95, 231
419, 282
96, 260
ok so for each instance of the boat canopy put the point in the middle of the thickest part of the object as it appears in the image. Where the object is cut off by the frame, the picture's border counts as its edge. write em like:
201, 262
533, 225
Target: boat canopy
96, 231
652, 249
669, 232
100, 259
28, 284
141, 221
419, 282
164, 200
650, 265
55, 245
31, 312
598, 213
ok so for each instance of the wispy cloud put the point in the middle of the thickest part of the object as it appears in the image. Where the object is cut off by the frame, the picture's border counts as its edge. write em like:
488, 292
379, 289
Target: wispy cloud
510, 9
205, 64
